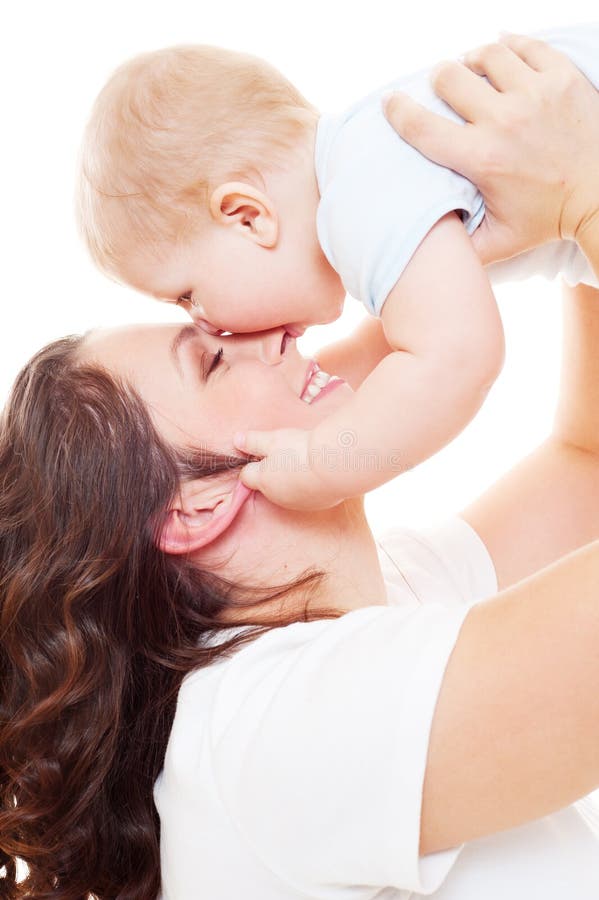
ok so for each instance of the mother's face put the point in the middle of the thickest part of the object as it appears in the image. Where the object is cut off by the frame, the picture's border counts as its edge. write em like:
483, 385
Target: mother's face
200, 395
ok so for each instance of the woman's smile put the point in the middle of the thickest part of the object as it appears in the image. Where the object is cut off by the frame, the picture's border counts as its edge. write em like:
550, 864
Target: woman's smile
318, 382
202, 388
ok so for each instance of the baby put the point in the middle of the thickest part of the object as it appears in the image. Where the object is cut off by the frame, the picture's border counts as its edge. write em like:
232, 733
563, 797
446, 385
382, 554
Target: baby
207, 180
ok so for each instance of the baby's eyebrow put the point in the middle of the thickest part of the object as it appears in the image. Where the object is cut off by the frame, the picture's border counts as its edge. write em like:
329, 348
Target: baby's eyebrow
184, 334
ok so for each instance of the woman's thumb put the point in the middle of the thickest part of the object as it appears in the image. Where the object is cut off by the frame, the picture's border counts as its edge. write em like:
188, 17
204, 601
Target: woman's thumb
492, 241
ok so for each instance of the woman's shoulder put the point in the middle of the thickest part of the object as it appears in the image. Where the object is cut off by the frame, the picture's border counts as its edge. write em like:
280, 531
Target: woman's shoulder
433, 576
311, 718
444, 566
446, 563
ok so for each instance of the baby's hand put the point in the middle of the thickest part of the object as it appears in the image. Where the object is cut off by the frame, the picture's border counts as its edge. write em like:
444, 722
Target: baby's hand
286, 474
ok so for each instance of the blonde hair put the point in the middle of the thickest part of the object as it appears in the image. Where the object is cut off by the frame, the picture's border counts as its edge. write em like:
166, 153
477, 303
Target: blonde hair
169, 127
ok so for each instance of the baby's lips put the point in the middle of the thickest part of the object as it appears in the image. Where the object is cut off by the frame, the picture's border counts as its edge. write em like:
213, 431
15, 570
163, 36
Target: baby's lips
294, 331
208, 328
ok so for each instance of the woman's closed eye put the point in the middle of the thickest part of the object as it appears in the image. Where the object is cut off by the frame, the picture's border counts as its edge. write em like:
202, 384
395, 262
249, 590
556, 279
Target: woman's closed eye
216, 359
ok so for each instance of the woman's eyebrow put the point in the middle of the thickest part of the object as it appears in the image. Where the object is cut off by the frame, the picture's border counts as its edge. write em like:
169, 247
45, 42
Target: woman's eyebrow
184, 334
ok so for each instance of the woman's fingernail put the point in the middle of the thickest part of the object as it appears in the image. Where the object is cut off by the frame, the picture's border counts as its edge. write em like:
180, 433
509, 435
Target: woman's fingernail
239, 439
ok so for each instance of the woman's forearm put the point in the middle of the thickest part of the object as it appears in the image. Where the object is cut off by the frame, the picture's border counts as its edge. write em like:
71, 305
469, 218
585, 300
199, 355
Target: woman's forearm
516, 729
576, 421
546, 505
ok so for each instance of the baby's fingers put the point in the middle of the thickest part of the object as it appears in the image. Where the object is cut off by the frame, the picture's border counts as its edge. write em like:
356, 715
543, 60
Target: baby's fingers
254, 443
252, 476
260, 444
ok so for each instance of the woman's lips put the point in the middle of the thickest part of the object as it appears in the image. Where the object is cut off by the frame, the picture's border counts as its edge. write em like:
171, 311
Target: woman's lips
312, 369
333, 383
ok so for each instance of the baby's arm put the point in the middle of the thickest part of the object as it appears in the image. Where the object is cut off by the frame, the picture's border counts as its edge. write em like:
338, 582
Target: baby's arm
354, 357
442, 322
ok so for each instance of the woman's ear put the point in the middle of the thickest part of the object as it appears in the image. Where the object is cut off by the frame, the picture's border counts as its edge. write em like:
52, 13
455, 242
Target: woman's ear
201, 512
246, 208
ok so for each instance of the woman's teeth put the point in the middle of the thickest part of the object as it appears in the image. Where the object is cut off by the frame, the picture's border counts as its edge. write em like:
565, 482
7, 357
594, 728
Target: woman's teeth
319, 380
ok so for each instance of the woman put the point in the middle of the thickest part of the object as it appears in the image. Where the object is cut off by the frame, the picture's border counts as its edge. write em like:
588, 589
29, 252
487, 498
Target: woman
347, 754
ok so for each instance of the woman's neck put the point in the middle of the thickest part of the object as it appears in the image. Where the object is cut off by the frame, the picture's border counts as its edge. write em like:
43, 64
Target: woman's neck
270, 546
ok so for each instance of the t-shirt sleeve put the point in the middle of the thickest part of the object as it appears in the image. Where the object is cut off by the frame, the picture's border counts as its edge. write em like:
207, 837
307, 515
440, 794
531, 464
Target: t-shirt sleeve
321, 768
446, 563
380, 197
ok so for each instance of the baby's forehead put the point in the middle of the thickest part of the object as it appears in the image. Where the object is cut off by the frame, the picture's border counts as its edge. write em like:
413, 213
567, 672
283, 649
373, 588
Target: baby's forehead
160, 271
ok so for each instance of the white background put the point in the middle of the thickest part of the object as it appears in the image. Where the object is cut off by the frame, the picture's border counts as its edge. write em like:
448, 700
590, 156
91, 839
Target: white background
54, 58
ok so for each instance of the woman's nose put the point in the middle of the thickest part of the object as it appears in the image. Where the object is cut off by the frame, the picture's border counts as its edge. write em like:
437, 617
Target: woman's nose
269, 346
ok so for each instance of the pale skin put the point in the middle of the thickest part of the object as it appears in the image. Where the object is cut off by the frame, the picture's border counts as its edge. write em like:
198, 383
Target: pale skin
491, 763
477, 782
259, 378
440, 321
530, 146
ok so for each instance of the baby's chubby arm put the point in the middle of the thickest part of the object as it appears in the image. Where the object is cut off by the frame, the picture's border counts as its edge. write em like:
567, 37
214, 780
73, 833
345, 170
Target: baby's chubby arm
442, 319
443, 326
354, 357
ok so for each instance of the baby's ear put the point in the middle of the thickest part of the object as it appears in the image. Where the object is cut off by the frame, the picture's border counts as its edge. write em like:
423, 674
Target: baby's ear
202, 511
246, 208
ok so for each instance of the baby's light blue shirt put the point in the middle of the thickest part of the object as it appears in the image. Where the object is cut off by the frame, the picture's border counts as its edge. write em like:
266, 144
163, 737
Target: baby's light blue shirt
380, 196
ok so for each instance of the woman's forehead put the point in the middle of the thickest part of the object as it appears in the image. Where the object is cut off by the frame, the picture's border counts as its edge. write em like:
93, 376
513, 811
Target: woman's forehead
132, 343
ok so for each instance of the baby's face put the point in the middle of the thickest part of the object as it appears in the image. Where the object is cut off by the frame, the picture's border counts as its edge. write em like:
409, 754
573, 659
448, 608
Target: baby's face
231, 285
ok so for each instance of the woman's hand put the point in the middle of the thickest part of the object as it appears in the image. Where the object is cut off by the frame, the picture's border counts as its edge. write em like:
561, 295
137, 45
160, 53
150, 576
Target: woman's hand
530, 141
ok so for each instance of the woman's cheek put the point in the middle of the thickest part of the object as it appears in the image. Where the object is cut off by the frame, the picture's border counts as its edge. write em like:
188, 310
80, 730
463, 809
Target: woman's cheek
268, 405
248, 401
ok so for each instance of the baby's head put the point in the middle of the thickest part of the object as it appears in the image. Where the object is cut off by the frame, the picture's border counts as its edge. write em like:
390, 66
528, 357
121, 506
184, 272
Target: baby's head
197, 186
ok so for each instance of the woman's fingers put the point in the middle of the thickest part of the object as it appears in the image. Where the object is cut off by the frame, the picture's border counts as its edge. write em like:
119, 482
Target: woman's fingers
468, 94
501, 65
536, 54
441, 139
529, 143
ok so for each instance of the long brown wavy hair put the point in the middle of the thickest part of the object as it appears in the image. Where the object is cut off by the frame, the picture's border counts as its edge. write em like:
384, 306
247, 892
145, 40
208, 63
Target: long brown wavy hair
98, 627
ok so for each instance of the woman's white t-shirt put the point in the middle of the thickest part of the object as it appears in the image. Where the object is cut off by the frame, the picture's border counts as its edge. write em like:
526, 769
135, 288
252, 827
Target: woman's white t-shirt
295, 767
